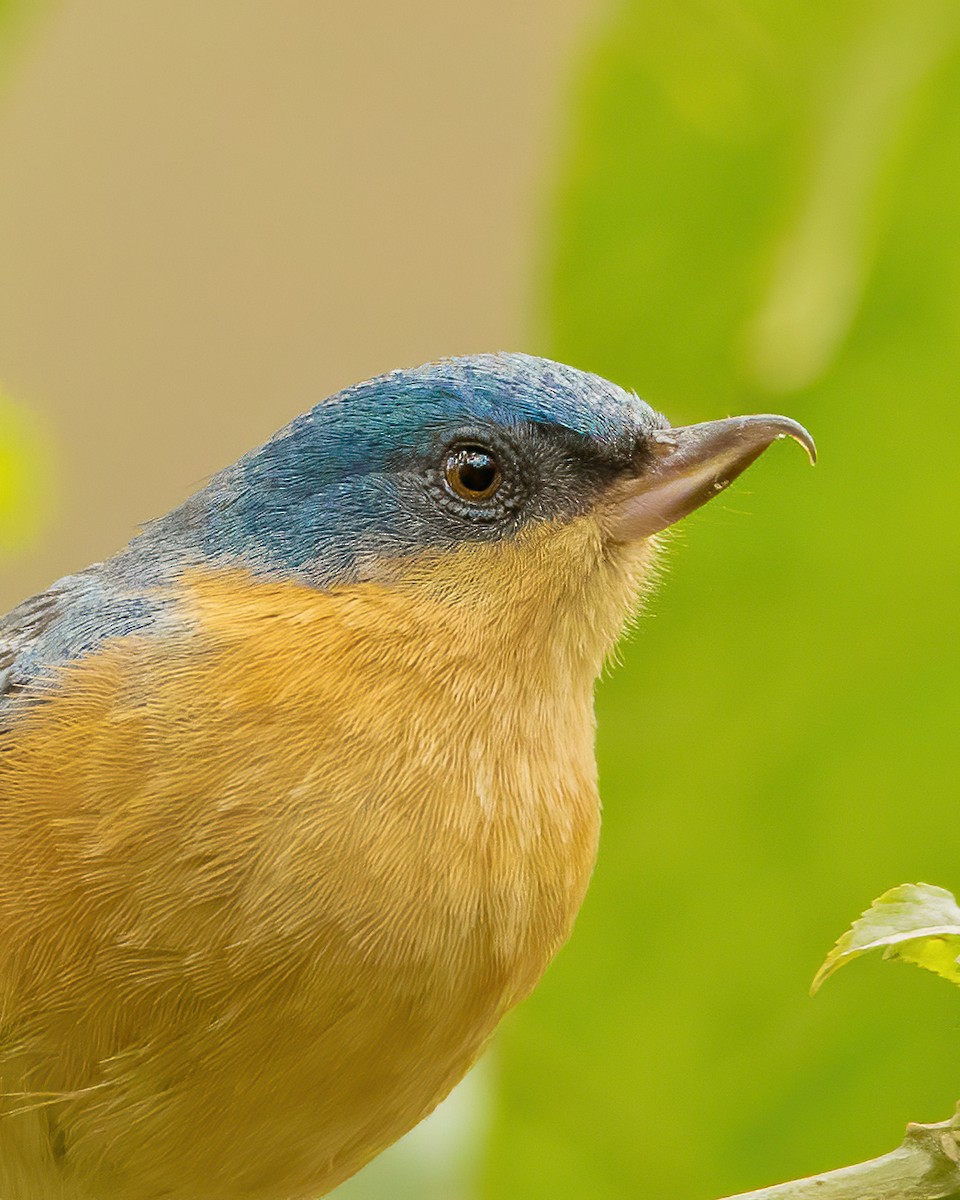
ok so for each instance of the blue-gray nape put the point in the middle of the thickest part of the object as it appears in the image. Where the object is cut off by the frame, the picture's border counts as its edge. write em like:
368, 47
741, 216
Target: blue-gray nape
71, 619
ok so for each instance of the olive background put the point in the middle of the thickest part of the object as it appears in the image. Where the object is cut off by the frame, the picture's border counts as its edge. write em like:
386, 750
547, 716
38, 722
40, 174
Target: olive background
213, 215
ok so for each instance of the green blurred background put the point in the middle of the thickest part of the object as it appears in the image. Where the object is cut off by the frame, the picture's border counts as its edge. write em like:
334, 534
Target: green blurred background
211, 216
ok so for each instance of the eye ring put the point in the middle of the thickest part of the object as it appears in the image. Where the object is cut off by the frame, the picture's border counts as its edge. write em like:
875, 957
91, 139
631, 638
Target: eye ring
472, 472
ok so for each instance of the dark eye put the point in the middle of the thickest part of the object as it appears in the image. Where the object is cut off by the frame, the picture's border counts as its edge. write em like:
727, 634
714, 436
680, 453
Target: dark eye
472, 472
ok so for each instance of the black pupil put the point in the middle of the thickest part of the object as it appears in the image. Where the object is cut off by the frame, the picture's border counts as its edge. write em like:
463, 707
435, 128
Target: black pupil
477, 470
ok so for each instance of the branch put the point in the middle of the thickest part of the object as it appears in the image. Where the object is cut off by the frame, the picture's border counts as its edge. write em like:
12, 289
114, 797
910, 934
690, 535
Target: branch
925, 1166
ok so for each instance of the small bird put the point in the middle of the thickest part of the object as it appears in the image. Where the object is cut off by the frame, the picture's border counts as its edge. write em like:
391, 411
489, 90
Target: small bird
298, 793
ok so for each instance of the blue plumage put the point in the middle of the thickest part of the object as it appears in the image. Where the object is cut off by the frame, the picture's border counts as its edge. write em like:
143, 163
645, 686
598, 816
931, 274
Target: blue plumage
338, 488
334, 484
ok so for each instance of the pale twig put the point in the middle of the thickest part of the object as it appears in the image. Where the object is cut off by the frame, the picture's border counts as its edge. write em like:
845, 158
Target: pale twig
925, 1166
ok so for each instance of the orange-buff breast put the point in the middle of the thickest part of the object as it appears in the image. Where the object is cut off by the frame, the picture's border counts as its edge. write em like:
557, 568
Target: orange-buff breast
269, 881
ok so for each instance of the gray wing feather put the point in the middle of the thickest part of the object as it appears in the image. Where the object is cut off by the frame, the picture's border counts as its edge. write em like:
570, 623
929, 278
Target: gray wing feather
70, 619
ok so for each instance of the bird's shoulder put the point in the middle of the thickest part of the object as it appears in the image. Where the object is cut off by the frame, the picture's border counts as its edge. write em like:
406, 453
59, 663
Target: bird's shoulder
69, 620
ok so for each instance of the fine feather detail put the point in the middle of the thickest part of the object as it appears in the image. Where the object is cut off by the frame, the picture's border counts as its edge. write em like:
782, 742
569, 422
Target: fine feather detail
298, 854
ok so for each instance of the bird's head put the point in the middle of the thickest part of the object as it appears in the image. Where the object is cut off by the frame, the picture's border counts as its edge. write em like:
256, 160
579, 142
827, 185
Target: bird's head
512, 487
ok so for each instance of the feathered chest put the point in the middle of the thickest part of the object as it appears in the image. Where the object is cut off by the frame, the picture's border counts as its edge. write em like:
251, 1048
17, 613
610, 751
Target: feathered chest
415, 783
338, 835
351, 761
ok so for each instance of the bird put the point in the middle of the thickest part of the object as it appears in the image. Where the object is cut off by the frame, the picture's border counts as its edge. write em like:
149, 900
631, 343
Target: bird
298, 794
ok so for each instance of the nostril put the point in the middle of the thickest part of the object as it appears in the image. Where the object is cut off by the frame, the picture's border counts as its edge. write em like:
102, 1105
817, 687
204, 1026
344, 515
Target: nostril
663, 443
651, 448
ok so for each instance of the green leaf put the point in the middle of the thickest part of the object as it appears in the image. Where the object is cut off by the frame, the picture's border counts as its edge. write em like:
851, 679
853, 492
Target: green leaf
916, 922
